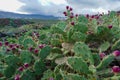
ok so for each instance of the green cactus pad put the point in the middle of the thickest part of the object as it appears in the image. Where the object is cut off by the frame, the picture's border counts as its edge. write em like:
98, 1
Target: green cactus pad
39, 67
105, 62
45, 52
26, 57
78, 64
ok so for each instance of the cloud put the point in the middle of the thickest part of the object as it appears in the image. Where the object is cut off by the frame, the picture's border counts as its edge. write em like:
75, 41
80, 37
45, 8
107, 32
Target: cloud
56, 8
94, 6
10, 6
42, 7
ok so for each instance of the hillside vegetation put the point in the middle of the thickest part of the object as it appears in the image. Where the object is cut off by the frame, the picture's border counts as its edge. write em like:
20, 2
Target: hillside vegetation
83, 47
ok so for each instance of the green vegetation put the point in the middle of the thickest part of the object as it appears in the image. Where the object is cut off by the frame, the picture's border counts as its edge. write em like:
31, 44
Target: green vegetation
79, 48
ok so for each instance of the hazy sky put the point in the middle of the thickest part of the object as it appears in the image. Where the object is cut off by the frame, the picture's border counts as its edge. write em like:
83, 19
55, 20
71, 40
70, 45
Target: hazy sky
56, 7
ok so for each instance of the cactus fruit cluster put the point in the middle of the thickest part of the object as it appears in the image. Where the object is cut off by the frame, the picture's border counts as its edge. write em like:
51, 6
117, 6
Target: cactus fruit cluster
82, 47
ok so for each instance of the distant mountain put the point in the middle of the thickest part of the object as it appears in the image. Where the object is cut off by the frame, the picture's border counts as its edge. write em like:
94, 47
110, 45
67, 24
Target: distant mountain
25, 16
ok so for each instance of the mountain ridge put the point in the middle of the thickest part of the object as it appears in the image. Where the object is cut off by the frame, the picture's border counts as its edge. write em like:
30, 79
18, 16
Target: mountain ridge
5, 14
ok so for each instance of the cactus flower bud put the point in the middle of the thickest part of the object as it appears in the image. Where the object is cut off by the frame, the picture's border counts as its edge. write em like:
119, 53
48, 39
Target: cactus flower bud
30, 49
20, 68
26, 65
102, 55
71, 9
8, 49
11, 46
76, 15
110, 26
36, 51
64, 13
87, 16
6, 43
115, 69
51, 78
0, 44
41, 46
71, 16
97, 17
67, 7
116, 53
17, 77
92, 16
17, 46
72, 23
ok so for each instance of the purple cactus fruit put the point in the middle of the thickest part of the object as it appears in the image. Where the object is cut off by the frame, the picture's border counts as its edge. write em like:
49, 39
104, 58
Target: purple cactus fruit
37, 34
17, 46
87, 16
14, 44
8, 49
0, 43
41, 46
6, 43
97, 17
17, 77
92, 16
71, 9
71, 16
11, 46
30, 49
116, 53
76, 15
26, 65
36, 51
67, 7
110, 26
64, 13
102, 55
21, 68
72, 23
115, 69
51, 78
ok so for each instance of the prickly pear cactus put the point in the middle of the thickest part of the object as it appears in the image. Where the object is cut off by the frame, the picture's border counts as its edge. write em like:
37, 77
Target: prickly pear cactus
39, 67
105, 62
78, 64
81, 47
28, 42
9, 71
82, 50
81, 27
73, 77
116, 45
26, 57
45, 52
12, 60
28, 75
104, 46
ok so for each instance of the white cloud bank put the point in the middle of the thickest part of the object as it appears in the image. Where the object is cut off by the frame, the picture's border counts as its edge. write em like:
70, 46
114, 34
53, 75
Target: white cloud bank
56, 7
